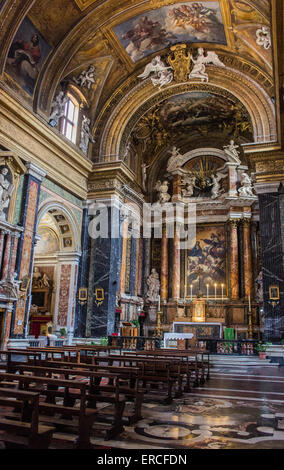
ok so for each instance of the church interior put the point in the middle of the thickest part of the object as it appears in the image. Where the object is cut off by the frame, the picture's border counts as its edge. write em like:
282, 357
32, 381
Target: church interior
142, 224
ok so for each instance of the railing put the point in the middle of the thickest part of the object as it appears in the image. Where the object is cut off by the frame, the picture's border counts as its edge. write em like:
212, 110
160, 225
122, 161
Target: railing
135, 342
243, 347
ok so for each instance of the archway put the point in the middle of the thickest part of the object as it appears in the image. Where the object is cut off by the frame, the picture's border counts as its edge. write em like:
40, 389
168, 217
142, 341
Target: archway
55, 271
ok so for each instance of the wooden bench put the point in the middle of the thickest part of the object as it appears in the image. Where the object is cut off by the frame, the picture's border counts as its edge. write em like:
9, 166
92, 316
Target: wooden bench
25, 431
14, 357
153, 372
49, 387
128, 376
94, 392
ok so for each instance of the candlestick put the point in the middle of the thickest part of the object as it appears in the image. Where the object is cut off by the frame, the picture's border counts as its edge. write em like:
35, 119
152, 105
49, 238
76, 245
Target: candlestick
215, 285
191, 292
207, 287
249, 303
159, 303
222, 285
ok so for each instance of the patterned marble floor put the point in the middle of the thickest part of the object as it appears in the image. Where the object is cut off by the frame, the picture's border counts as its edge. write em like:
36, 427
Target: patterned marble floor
233, 410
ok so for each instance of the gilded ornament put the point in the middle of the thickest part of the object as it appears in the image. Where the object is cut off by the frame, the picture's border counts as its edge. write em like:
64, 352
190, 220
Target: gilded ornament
180, 61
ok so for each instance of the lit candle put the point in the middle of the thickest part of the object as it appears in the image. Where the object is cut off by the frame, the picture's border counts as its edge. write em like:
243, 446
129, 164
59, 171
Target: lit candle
249, 303
191, 292
159, 303
215, 285
222, 285
207, 287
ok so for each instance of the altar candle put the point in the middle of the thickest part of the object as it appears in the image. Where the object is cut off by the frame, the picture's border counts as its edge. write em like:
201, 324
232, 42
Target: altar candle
215, 285
159, 303
207, 287
191, 292
222, 285
249, 303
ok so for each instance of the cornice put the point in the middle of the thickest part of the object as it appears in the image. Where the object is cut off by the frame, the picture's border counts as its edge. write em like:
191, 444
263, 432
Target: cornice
32, 140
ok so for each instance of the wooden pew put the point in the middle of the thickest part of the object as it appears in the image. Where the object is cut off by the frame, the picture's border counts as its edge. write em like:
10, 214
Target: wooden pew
14, 357
128, 376
153, 371
49, 387
94, 391
25, 431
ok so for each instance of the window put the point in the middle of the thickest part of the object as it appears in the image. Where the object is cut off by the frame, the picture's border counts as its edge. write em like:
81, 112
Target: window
69, 121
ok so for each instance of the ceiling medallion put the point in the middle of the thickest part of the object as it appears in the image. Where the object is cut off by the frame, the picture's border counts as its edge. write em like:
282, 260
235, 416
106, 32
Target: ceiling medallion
179, 68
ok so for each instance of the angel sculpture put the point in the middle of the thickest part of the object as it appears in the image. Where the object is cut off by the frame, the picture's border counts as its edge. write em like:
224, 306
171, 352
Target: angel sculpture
232, 152
57, 108
246, 187
144, 167
162, 75
86, 135
189, 182
162, 189
201, 61
175, 160
216, 191
86, 78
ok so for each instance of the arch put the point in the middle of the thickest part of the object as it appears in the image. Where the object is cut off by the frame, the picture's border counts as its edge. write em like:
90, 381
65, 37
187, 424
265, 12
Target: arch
226, 81
61, 208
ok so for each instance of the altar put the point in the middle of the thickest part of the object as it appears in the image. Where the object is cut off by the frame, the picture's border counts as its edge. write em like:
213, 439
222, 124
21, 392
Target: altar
199, 330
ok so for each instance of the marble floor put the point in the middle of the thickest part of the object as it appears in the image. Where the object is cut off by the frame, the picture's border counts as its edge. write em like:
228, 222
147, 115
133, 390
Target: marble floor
237, 408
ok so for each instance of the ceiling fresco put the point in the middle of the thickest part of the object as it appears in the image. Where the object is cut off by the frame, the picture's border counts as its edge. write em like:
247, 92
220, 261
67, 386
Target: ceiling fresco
181, 22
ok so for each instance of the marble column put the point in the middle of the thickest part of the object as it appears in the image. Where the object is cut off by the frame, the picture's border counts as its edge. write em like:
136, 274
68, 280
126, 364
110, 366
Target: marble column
234, 260
84, 266
104, 276
176, 264
2, 234
164, 266
30, 203
14, 252
271, 211
7, 257
248, 270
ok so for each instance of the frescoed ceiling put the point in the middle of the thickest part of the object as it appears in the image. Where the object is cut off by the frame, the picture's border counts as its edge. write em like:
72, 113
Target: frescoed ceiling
121, 37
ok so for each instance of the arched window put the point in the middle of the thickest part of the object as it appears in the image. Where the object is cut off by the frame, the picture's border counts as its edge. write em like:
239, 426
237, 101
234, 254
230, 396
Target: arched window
69, 121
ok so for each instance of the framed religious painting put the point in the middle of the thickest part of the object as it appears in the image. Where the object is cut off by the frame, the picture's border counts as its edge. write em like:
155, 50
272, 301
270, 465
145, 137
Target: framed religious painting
274, 293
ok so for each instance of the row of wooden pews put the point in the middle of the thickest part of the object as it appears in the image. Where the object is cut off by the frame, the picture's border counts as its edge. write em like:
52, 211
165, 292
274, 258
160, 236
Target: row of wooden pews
83, 390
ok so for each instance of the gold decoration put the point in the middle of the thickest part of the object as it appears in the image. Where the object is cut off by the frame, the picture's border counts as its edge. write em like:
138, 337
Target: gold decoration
180, 60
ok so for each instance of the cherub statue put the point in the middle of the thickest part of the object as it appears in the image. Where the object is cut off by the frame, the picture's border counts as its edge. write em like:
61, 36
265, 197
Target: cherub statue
57, 108
6, 191
199, 68
175, 160
232, 152
163, 75
162, 189
86, 78
85, 135
246, 189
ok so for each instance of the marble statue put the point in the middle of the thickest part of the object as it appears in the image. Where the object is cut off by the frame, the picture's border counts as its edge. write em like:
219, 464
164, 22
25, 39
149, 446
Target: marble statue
85, 135
189, 182
199, 67
126, 152
163, 75
259, 288
162, 189
86, 78
144, 175
153, 284
57, 108
246, 189
232, 152
216, 190
11, 286
175, 160
6, 191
